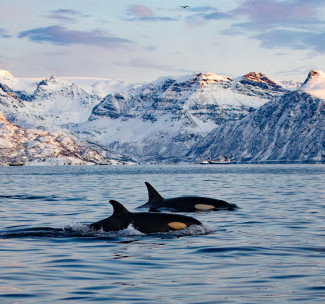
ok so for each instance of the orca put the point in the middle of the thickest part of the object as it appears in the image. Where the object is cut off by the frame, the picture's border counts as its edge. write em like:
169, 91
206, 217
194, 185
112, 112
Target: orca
183, 204
144, 222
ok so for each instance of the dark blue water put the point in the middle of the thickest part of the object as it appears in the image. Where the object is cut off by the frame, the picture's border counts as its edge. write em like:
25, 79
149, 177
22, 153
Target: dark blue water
271, 250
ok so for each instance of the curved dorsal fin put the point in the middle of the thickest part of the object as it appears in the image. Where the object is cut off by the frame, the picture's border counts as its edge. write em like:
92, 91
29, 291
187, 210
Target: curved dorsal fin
154, 196
119, 209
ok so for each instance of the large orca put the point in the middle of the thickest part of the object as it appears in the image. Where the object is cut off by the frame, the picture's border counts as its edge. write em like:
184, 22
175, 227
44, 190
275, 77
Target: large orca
144, 222
183, 204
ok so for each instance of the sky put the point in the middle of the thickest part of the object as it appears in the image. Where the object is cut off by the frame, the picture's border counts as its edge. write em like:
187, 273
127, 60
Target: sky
140, 41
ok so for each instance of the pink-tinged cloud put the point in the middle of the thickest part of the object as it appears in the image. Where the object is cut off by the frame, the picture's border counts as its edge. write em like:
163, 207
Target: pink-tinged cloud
63, 36
140, 11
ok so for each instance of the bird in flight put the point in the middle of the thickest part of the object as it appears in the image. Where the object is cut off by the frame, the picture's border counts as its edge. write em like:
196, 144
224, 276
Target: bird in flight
184, 6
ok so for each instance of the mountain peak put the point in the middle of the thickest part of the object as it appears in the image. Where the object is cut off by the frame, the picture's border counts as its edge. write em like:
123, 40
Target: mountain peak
315, 75
258, 77
52, 83
5, 74
314, 84
204, 79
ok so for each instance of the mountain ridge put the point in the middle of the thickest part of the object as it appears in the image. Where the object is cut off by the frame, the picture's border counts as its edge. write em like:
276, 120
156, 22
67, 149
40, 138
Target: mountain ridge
159, 121
294, 130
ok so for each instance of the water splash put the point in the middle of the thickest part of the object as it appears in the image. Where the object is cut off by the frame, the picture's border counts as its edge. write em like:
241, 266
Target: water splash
83, 230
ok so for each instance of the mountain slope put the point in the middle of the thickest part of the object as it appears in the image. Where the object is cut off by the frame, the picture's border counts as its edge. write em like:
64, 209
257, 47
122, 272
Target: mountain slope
291, 127
28, 145
161, 120
53, 102
314, 84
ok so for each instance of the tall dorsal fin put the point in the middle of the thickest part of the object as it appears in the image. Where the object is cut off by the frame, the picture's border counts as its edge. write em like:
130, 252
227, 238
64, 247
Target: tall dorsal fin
154, 196
119, 209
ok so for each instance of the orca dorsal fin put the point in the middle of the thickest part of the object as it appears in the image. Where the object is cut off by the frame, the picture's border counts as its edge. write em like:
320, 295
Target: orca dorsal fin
119, 209
154, 196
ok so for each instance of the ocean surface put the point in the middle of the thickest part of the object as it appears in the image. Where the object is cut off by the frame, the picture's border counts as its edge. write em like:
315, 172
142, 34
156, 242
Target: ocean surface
270, 250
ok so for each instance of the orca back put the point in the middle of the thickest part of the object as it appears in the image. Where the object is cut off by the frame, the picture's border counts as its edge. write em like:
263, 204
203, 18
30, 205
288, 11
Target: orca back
119, 220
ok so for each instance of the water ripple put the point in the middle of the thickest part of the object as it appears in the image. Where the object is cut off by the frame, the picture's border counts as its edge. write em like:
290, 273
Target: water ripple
270, 250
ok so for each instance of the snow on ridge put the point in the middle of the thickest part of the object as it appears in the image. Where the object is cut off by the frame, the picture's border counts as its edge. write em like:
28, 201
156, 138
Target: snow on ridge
288, 84
100, 86
5, 74
158, 121
314, 84
286, 128
198, 76
91, 85
25, 84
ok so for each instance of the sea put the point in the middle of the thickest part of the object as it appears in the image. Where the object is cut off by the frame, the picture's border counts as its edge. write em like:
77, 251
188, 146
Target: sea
269, 250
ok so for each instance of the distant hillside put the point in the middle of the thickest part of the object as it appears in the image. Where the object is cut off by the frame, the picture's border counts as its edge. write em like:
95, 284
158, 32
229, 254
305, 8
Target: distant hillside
291, 127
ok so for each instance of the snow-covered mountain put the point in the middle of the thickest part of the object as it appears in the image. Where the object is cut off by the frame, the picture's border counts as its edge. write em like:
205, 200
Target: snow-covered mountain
53, 102
166, 120
206, 96
290, 127
15, 109
18, 145
100, 87
60, 102
314, 84
161, 120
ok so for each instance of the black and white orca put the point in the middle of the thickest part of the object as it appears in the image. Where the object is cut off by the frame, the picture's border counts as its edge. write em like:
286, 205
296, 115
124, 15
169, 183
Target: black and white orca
183, 204
144, 222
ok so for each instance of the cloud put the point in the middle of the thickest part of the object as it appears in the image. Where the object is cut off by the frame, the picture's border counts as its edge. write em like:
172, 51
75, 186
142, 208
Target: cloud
284, 24
205, 13
216, 15
299, 40
65, 15
284, 39
200, 9
138, 12
60, 35
295, 24
142, 63
271, 13
3, 33
213, 14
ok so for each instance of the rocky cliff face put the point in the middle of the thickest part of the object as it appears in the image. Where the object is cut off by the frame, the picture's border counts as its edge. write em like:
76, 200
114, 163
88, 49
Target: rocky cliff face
19, 145
257, 84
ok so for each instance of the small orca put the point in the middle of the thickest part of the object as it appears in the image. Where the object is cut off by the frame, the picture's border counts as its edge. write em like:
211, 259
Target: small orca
183, 204
144, 222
